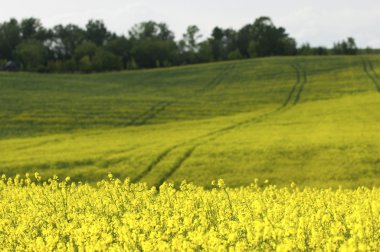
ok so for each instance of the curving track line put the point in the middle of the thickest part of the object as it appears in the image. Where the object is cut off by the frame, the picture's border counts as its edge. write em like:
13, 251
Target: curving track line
294, 94
150, 113
155, 162
298, 80
302, 85
217, 80
371, 73
153, 111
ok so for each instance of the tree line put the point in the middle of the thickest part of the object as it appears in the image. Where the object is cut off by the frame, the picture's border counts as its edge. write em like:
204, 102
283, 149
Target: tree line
70, 48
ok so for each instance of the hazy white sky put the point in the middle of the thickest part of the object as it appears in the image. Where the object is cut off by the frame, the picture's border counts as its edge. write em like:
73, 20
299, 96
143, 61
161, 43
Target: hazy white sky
321, 22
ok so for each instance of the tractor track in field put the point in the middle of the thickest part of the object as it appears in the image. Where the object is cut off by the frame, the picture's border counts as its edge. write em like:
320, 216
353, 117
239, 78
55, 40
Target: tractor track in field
36, 145
177, 165
199, 141
106, 162
150, 113
300, 83
302, 80
217, 80
157, 160
371, 73
296, 90
159, 107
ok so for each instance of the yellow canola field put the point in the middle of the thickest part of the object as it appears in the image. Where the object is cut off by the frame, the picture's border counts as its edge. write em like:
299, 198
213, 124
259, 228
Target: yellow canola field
120, 216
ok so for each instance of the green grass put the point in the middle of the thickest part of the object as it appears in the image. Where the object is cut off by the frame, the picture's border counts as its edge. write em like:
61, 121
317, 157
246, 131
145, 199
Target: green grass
311, 120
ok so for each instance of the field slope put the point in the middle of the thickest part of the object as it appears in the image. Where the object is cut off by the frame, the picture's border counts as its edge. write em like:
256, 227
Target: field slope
311, 120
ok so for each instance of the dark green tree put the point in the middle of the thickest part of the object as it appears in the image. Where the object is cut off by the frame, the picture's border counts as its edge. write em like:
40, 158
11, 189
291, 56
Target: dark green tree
191, 38
205, 53
155, 53
31, 55
151, 30
229, 42
189, 45
346, 47
31, 28
224, 44
243, 40
85, 49
122, 47
305, 49
66, 40
104, 60
263, 38
321, 51
153, 45
9, 38
97, 32
217, 43
85, 64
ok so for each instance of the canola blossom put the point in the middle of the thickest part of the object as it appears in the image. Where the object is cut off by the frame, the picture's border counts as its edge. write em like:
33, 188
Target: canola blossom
118, 215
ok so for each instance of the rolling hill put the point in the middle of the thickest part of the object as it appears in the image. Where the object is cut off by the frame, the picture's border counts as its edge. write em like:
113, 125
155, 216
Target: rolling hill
311, 120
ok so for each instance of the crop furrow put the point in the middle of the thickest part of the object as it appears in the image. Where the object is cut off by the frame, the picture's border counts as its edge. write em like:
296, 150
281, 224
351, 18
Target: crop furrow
215, 134
161, 106
371, 73
157, 111
372, 69
207, 138
302, 85
156, 161
215, 81
228, 69
177, 165
298, 80
147, 113
39, 144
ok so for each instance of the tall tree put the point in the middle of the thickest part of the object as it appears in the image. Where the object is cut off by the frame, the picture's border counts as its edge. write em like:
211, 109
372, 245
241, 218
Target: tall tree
217, 43
189, 45
31, 28
224, 44
97, 32
67, 38
151, 30
9, 38
346, 47
32, 55
191, 38
243, 40
86, 49
352, 49
104, 60
153, 45
122, 47
263, 38
229, 41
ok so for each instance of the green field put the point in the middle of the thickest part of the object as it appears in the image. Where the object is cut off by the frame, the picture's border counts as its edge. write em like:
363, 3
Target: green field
311, 120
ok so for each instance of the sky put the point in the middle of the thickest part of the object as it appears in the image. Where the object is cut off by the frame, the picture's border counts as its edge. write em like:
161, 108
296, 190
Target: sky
319, 22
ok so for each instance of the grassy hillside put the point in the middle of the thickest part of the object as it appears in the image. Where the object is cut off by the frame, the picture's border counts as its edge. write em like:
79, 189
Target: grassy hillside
312, 120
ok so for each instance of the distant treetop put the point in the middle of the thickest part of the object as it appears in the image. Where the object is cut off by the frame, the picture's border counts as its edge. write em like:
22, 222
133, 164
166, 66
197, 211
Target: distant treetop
69, 48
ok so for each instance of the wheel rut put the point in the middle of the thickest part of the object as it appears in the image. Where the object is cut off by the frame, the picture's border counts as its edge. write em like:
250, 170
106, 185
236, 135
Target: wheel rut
291, 100
157, 160
150, 113
303, 82
159, 107
371, 73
